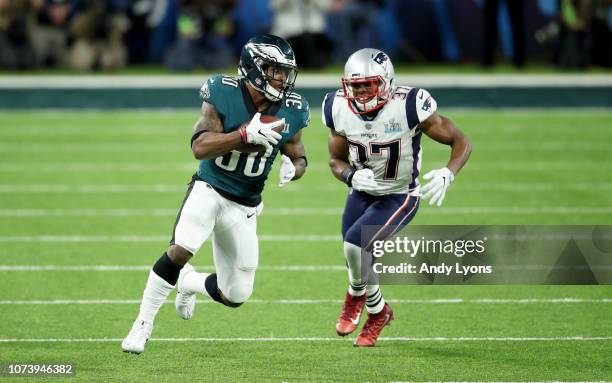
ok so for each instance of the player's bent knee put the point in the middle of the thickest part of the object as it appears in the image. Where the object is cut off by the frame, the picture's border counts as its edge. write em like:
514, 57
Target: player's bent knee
353, 236
179, 254
238, 294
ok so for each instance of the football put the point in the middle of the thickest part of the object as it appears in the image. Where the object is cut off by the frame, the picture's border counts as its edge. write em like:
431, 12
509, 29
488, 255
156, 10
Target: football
250, 148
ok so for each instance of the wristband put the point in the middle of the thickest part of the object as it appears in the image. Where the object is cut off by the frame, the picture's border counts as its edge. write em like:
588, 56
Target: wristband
347, 175
196, 135
243, 135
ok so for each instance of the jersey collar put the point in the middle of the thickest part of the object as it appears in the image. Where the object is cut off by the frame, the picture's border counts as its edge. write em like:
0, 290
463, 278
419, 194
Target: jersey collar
248, 102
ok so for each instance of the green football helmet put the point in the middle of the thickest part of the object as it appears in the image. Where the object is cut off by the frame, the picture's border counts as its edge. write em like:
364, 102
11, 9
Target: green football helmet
266, 60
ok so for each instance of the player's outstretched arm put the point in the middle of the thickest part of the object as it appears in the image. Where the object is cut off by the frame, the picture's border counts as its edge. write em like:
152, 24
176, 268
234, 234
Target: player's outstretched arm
442, 130
209, 140
295, 151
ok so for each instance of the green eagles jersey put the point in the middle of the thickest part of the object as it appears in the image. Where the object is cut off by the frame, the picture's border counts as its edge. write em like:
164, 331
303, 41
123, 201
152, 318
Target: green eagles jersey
241, 176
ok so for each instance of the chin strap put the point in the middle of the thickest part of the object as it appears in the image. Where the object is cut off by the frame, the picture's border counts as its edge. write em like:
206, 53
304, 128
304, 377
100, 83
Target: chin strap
270, 96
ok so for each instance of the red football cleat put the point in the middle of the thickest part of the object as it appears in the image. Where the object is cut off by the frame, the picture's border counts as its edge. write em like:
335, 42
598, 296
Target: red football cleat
373, 327
350, 314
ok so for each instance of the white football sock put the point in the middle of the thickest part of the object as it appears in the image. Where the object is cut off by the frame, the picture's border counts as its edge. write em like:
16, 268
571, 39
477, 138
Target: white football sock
154, 295
194, 283
375, 301
357, 290
352, 253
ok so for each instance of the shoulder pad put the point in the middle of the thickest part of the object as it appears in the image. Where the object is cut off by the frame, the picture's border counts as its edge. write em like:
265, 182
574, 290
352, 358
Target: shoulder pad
327, 108
295, 103
219, 91
419, 106
426, 105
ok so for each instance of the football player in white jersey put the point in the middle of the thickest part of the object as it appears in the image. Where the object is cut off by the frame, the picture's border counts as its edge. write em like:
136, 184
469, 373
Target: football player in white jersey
374, 146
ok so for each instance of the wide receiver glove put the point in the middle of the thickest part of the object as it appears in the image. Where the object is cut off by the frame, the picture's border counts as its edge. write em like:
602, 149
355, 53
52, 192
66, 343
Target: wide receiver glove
259, 133
363, 180
287, 170
436, 188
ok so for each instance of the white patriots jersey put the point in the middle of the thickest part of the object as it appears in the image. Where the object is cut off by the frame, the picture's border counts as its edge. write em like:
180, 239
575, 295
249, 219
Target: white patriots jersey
389, 144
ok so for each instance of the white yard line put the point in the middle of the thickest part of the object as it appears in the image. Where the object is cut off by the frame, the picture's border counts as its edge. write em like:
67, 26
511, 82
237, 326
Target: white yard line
92, 188
153, 238
562, 210
274, 268
123, 146
116, 147
440, 301
110, 268
87, 212
303, 211
147, 212
336, 186
535, 186
280, 268
90, 167
317, 339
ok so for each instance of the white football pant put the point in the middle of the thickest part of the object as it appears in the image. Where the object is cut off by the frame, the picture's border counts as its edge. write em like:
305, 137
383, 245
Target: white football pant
234, 237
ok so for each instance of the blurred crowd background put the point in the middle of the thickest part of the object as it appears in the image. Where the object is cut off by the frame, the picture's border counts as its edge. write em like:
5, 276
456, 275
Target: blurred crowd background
90, 35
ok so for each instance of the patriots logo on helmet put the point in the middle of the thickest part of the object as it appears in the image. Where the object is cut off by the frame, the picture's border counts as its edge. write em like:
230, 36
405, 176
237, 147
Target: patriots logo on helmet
380, 58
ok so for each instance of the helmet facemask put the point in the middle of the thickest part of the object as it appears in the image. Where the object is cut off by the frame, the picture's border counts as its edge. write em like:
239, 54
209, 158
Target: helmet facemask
365, 94
279, 79
368, 69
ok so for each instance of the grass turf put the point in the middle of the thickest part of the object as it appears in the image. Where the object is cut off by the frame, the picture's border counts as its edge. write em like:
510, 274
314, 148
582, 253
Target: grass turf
528, 167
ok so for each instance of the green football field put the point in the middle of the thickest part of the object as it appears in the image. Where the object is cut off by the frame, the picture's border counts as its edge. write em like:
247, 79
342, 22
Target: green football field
88, 201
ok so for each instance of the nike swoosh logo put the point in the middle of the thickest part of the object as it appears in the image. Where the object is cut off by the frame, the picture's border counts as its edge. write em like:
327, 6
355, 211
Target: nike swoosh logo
421, 96
444, 179
356, 320
250, 215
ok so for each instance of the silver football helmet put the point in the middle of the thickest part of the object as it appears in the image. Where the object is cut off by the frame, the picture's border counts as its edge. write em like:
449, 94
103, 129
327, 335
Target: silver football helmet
368, 80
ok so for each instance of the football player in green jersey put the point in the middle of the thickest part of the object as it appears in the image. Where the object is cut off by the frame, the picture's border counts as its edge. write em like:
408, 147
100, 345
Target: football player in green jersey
236, 150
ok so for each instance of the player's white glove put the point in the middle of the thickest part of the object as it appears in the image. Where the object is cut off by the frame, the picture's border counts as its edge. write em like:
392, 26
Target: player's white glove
436, 188
363, 180
287, 170
259, 133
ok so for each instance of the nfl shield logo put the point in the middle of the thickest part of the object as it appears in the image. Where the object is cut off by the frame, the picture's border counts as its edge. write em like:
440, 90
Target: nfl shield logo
368, 126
